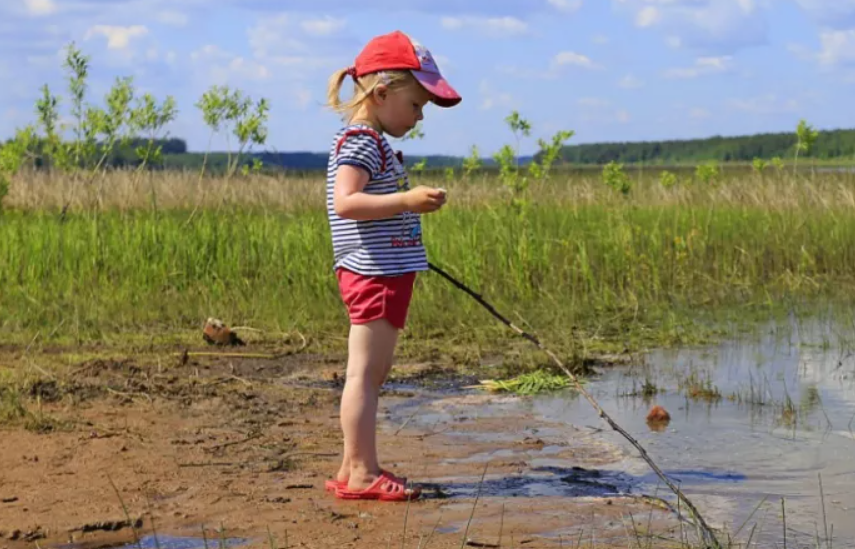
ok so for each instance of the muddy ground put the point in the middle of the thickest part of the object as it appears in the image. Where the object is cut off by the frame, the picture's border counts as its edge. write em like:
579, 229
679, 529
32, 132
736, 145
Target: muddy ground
240, 447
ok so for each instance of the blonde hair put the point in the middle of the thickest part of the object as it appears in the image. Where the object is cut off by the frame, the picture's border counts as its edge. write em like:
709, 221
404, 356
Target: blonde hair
363, 88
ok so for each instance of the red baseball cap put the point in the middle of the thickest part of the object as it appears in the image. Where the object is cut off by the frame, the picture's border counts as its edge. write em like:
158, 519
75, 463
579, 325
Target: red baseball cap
395, 51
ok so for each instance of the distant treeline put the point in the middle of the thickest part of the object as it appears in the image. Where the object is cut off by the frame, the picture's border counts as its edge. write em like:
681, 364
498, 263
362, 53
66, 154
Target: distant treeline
836, 144
297, 161
125, 155
830, 145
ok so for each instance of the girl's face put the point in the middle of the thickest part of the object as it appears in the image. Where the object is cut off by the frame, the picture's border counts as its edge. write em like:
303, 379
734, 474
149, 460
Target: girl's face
400, 109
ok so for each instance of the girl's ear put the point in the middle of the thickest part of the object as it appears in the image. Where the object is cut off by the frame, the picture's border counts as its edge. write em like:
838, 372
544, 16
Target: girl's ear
381, 93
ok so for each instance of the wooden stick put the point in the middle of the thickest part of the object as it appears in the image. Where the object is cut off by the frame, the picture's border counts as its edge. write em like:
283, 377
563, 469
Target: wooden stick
709, 535
219, 447
228, 355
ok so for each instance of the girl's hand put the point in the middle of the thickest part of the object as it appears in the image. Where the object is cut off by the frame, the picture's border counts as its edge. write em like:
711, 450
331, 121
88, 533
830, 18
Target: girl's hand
424, 199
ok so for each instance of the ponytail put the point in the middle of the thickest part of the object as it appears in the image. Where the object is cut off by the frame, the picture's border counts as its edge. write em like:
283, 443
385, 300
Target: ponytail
334, 89
363, 88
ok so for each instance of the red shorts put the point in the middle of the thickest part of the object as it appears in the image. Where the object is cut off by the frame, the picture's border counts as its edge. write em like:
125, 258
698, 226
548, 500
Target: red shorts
370, 298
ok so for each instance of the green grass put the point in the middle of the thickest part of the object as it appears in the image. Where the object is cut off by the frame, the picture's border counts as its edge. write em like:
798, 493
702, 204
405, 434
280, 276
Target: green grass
700, 387
531, 383
589, 273
21, 404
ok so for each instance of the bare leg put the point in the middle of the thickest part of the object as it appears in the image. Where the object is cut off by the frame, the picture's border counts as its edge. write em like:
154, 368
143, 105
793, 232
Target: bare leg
344, 471
370, 353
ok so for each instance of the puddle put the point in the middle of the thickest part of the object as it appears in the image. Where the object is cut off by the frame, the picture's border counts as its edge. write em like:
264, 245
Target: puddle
169, 542
537, 482
784, 419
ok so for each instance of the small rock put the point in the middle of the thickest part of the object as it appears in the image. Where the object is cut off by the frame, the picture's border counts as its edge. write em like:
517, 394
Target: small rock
217, 333
108, 526
35, 534
658, 414
331, 376
476, 543
279, 499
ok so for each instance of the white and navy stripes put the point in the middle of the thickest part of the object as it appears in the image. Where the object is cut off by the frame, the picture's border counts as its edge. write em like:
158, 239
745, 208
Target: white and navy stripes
385, 247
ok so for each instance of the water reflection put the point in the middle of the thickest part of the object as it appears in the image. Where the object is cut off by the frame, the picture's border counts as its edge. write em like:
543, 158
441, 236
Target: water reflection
767, 419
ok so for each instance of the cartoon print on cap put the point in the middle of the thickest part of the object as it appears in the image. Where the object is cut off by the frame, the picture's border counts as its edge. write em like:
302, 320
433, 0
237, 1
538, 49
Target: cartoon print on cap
426, 60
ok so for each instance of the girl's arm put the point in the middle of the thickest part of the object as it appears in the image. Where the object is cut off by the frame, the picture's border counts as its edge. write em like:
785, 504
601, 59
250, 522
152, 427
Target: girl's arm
351, 203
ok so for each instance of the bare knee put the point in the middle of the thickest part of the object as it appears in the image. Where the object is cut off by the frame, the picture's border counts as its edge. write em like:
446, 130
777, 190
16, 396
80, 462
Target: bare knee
366, 379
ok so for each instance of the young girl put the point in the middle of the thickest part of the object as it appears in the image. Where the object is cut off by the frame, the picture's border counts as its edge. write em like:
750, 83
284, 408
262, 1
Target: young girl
374, 219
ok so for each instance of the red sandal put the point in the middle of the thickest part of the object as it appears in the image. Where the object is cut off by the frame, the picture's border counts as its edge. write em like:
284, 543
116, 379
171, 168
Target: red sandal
386, 487
331, 485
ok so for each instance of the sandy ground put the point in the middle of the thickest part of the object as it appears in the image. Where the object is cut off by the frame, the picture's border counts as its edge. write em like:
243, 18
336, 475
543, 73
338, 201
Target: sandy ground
241, 448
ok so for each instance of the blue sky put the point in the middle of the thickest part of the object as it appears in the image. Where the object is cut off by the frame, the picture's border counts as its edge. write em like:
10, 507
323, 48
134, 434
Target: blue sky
611, 70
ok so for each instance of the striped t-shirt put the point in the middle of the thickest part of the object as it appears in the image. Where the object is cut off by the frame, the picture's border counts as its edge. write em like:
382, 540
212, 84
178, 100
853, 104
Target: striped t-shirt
383, 247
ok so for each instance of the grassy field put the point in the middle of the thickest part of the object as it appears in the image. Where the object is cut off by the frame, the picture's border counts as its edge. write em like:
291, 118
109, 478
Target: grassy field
151, 257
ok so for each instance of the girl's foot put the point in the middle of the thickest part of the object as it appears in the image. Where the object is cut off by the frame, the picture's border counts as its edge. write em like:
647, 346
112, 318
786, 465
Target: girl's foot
386, 487
331, 485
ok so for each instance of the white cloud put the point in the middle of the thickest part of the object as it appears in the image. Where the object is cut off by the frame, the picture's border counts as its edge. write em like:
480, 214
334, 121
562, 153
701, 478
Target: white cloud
173, 18
491, 99
451, 23
574, 59
629, 82
208, 51
526, 73
251, 69
838, 48
323, 27
272, 36
593, 102
699, 113
649, 15
764, 105
709, 26
558, 62
493, 26
444, 63
222, 66
702, 66
40, 7
567, 6
302, 98
600, 39
674, 42
118, 38
837, 14
601, 110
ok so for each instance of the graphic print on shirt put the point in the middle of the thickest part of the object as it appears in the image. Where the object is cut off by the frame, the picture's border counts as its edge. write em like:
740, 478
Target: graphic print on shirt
411, 231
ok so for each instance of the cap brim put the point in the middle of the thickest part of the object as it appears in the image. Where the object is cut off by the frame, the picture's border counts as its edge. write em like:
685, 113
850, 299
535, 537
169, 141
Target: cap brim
443, 94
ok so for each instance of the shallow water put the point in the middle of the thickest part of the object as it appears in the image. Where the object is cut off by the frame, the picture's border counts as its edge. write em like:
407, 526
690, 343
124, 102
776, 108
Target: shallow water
729, 454
736, 457
173, 542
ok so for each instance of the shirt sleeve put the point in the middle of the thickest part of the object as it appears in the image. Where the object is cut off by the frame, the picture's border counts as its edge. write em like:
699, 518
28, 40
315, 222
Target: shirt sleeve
361, 150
